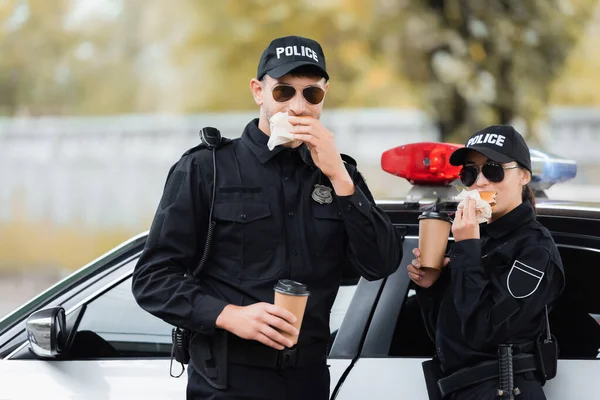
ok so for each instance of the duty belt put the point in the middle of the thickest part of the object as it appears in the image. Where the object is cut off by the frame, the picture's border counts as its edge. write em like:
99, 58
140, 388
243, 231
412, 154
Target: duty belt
256, 354
482, 372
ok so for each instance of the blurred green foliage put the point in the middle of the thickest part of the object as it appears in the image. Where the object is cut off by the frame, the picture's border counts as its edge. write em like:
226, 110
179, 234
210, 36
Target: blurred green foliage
469, 63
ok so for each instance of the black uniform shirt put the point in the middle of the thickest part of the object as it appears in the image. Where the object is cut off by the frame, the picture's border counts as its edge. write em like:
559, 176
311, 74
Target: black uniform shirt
494, 290
269, 227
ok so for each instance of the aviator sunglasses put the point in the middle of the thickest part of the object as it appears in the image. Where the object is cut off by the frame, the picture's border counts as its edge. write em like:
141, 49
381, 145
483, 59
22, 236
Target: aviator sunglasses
283, 92
493, 172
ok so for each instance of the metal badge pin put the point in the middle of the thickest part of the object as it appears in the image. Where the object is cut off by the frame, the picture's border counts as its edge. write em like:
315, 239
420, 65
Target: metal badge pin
322, 194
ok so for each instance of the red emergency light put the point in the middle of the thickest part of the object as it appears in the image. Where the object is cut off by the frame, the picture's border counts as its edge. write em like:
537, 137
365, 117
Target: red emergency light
424, 163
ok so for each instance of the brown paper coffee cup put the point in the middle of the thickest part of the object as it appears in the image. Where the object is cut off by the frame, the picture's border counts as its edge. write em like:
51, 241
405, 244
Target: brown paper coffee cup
434, 230
292, 296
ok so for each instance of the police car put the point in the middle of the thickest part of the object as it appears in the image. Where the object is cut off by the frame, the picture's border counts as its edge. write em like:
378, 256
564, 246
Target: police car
86, 337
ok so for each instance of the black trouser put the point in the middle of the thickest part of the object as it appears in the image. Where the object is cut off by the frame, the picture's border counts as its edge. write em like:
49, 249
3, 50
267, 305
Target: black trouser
530, 387
253, 383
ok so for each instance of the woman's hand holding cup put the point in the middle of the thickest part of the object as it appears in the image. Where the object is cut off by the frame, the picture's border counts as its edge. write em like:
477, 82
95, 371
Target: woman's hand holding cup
422, 276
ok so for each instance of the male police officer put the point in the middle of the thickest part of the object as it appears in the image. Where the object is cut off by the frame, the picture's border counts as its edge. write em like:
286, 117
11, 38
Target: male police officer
298, 212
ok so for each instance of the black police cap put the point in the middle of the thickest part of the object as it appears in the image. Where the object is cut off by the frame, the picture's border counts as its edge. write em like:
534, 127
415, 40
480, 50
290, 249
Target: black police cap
285, 54
499, 143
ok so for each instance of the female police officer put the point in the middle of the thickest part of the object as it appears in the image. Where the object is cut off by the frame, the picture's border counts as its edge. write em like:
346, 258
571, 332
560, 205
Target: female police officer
491, 298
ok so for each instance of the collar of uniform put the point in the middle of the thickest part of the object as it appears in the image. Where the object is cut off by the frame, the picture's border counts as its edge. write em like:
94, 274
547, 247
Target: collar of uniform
517, 217
257, 140
305, 154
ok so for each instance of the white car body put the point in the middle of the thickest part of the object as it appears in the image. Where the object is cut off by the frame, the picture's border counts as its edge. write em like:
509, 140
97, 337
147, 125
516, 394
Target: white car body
373, 354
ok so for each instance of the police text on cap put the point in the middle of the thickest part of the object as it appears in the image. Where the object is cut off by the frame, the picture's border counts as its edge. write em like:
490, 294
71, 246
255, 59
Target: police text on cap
490, 138
294, 51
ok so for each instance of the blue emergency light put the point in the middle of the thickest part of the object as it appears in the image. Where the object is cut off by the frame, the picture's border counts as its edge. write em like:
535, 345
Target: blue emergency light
548, 169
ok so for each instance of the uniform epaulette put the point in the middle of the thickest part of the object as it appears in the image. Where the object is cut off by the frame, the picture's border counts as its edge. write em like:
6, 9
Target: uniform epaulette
347, 159
202, 146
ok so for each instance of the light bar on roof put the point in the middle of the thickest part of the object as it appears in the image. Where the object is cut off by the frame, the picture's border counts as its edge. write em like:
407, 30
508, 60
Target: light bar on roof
548, 169
427, 164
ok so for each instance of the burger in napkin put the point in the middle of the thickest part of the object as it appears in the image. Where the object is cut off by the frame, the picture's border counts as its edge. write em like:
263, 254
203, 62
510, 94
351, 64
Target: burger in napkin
484, 201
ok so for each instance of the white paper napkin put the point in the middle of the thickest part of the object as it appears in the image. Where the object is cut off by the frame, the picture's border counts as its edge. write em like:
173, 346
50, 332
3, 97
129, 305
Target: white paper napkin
280, 130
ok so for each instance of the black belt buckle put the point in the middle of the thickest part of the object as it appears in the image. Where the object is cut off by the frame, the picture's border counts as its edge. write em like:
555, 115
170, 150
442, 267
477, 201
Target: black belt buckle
287, 358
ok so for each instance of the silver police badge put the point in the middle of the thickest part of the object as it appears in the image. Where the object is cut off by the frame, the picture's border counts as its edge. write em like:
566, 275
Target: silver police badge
322, 194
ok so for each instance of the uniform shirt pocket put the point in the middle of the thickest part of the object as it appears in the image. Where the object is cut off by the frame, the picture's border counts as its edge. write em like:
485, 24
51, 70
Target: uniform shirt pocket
247, 232
329, 226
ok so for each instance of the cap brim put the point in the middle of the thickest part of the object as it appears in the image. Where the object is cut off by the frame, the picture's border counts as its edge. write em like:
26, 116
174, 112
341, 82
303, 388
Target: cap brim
458, 156
285, 69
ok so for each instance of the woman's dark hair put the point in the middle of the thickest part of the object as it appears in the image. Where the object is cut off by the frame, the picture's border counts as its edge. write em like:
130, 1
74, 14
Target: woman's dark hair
527, 193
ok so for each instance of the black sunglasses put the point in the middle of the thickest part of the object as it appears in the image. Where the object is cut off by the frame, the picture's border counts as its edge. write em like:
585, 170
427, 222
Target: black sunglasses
493, 172
313, 94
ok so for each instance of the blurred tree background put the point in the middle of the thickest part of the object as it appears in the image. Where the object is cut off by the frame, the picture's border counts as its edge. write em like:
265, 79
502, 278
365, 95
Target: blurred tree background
468, 63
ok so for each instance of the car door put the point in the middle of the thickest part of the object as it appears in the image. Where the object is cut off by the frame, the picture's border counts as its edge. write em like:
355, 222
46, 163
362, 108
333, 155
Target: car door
358, 303
397, 343
119, 352
122, 352
377, 374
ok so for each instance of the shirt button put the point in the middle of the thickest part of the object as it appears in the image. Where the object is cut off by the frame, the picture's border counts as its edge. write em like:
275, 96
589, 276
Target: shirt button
291, 214
349, 207
286, 179
294, 252
243, 216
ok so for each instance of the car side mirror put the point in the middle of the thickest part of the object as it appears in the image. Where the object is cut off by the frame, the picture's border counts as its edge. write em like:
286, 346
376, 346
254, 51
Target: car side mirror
46, 332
